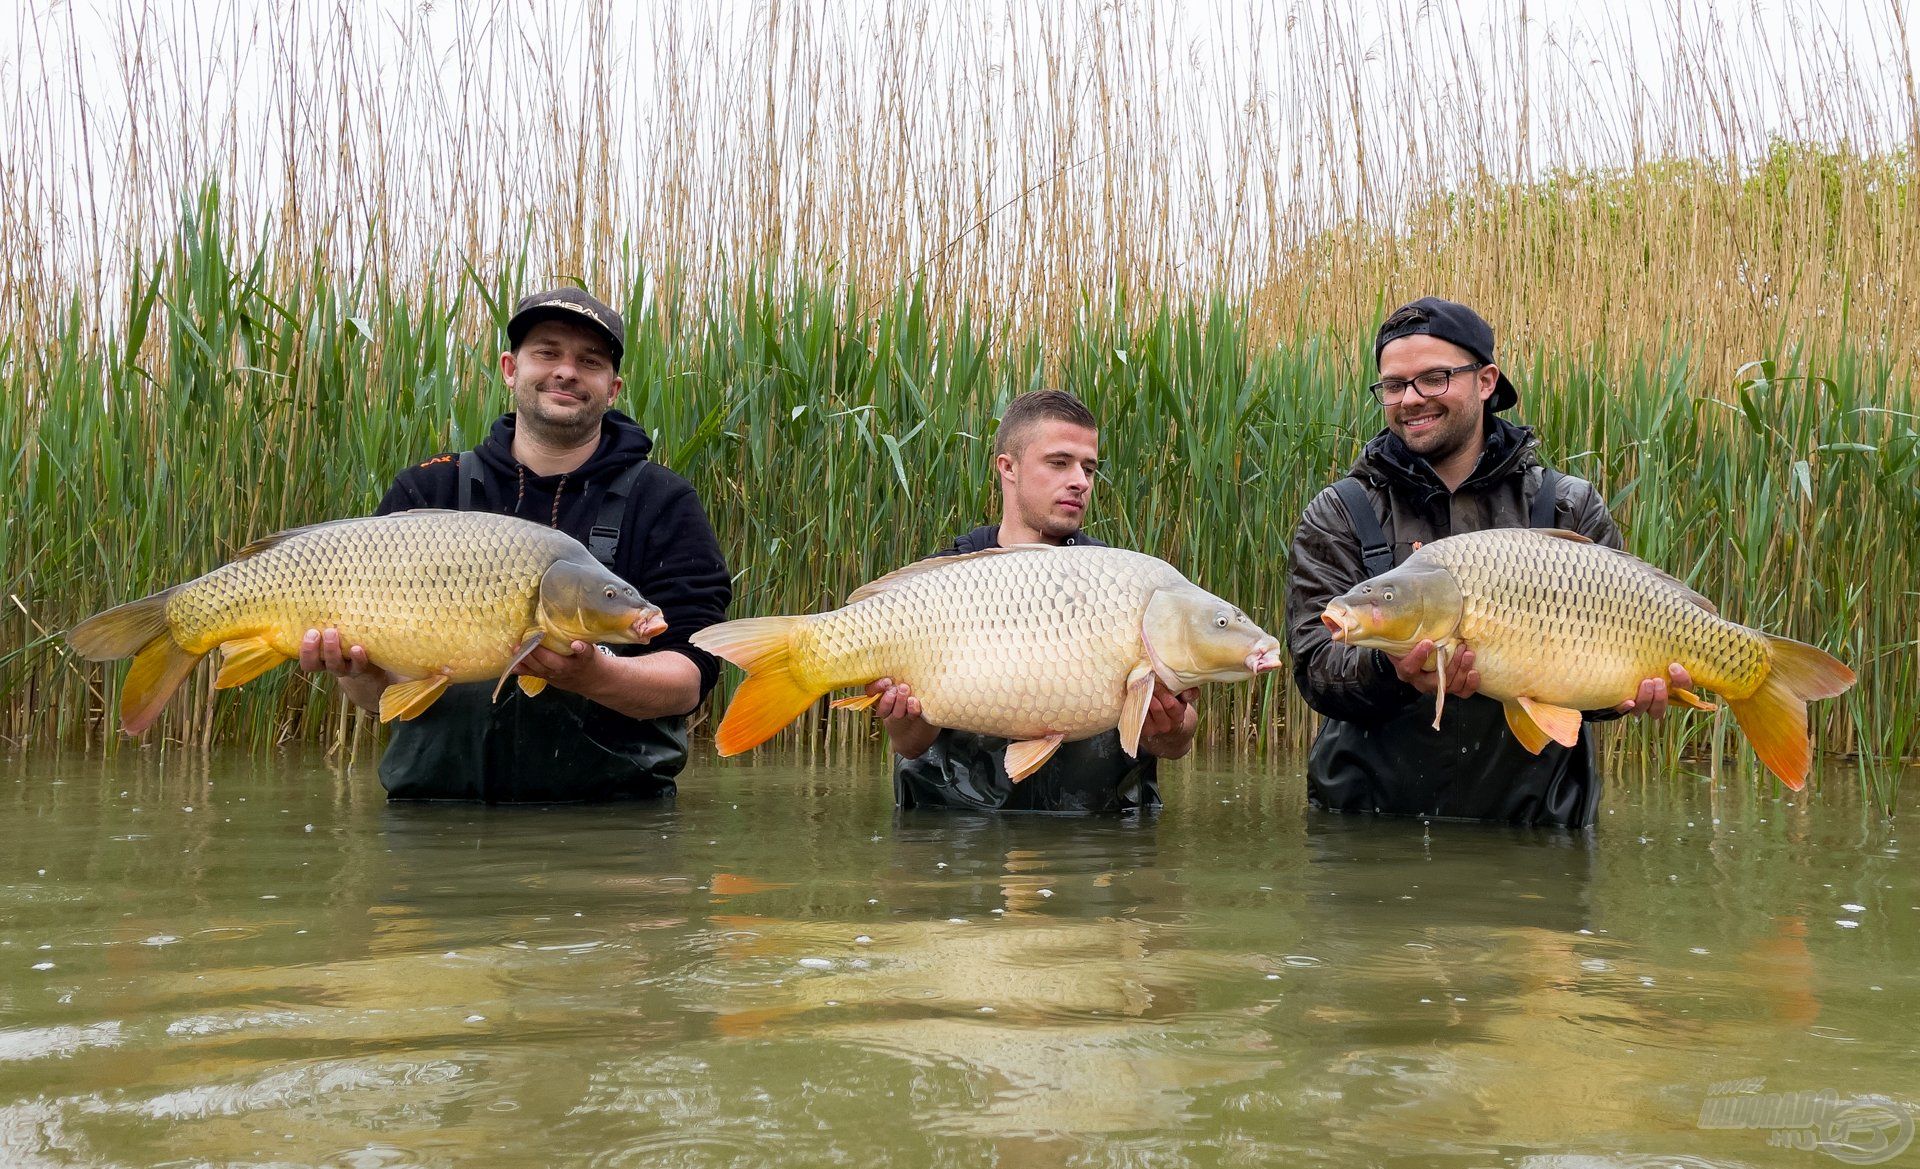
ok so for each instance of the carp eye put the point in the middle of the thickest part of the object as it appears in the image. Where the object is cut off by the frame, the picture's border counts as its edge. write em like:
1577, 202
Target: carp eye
610, 592
1388, 595
1219, 620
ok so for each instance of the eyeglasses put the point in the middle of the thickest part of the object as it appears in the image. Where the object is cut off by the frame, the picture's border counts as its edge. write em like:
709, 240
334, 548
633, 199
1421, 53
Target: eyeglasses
1430, 384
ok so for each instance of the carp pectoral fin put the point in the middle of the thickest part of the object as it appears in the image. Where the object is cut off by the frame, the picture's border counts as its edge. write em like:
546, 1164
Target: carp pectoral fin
857, 702
1025, 757
405, 700
526, 646
1561, 724
1689, 698
243, 659
1133, 711
1524, 728
530, 685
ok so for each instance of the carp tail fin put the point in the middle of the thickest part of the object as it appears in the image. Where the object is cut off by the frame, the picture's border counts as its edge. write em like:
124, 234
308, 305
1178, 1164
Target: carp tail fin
771, 697
1774, 717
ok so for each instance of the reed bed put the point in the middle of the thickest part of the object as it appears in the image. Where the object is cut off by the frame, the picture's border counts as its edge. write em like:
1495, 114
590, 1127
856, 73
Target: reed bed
259, 263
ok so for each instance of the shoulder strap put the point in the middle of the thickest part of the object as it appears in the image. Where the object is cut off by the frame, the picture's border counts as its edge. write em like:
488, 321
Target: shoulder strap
470, 479
1376, 552
604, 540
1544, 500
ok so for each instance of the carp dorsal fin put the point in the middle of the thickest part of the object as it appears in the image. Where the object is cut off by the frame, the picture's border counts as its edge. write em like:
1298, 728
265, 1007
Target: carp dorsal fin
878, 585
275, 539
1563, 534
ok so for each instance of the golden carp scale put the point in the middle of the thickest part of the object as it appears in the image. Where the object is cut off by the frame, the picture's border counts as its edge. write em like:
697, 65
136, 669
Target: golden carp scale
438, 591
1583, 623
969, 635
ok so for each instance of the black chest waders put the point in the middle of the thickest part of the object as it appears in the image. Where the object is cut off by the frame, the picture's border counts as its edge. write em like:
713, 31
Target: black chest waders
1472, 768
555, 747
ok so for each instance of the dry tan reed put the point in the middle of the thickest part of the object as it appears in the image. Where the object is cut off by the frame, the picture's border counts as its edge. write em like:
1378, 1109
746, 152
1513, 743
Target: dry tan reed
1312, 158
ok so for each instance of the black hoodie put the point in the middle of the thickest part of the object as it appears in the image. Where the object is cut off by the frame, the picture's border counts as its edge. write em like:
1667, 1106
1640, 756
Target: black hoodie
667, 547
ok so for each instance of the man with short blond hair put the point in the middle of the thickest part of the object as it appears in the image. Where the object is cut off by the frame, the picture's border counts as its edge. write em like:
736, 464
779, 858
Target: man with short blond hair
1045, 454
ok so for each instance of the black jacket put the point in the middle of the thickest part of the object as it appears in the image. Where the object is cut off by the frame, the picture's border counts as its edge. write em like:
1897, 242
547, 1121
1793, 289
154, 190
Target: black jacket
667, 547
1376, 752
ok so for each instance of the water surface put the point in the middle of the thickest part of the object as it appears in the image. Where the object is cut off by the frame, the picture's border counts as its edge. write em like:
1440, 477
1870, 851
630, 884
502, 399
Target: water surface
233, 960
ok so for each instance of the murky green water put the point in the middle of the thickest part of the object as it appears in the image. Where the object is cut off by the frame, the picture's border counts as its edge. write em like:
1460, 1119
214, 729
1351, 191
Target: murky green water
246, 962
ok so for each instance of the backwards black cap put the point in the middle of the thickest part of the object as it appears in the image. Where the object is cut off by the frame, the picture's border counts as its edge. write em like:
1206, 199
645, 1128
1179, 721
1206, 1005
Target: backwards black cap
1450, 322
570, 305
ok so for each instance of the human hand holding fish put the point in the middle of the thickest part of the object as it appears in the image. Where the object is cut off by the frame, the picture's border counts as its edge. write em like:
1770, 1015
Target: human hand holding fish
898, 709
1171, 722
1417, 668
1655, 693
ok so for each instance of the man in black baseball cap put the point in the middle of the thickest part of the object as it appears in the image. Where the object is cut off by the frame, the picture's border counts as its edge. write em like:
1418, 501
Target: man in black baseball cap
1446, 463
607, 725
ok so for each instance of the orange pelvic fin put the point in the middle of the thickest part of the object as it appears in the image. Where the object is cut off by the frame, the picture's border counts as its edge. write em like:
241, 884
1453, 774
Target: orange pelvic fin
1025, 757
1689, 698
530, 685
857, 702
771, 697
157, 672
243, 659
1559, 723
1524, 728
1774, 717
405, 700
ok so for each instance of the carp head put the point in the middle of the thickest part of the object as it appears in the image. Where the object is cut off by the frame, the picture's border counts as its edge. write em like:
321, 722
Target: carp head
1397, 610
585, 602
1193, 636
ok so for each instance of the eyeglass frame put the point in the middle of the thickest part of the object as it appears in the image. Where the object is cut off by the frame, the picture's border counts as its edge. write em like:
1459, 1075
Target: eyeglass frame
1413, 383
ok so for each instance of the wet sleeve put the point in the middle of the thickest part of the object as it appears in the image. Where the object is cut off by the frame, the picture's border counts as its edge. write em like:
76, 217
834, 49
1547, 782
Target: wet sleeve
682, 570
1340, 681
1590, 517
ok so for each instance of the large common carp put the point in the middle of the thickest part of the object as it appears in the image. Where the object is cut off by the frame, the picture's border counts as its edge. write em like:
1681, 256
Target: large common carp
1558, 624
1037, 644
435, 597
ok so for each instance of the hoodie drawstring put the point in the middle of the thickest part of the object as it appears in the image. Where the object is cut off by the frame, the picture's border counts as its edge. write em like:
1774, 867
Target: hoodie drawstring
520, 495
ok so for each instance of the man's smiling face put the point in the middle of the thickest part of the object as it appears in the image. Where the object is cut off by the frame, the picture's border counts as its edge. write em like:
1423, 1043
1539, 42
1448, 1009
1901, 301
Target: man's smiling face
563, 381
1438, 427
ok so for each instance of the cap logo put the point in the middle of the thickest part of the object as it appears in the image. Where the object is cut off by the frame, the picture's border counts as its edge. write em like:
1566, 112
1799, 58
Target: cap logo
582, 309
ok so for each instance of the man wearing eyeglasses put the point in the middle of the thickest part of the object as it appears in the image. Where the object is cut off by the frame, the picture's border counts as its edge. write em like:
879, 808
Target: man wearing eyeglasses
1446, 463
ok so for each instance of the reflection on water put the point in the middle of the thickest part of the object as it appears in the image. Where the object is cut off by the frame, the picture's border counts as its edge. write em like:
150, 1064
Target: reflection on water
243, 961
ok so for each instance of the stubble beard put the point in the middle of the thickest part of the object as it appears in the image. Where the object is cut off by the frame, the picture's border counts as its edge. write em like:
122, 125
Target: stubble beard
562, 432
1450, 435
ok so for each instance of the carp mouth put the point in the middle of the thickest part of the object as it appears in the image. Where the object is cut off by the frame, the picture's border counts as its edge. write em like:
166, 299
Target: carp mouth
649, 625
1264, 656
1339, 620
